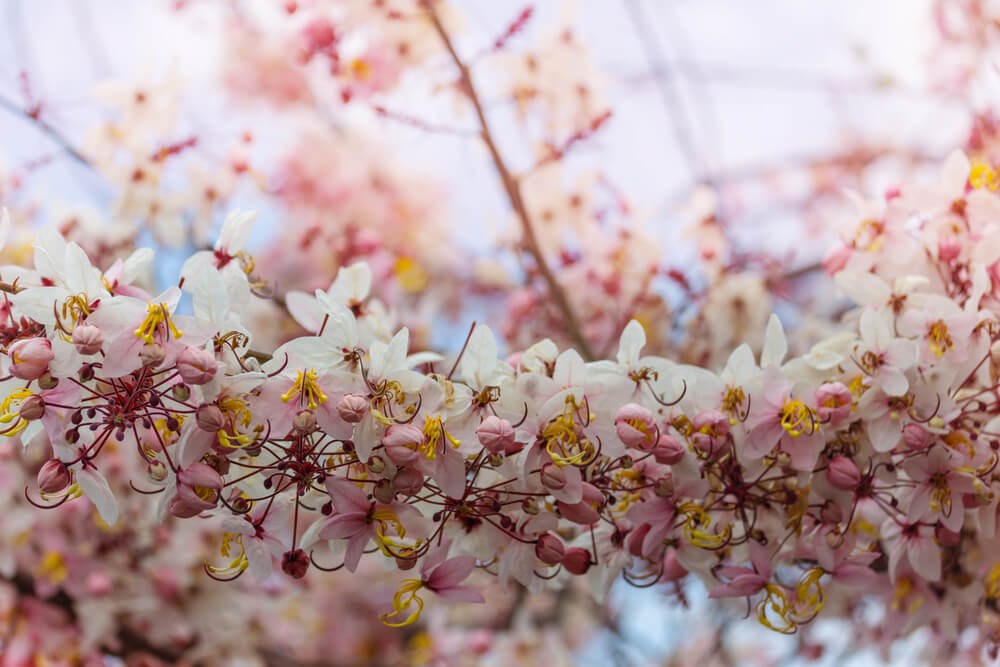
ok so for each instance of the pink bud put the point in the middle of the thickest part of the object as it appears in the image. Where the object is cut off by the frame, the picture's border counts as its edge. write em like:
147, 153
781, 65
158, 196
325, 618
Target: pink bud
576, 560
352, 408
710, 427
32, 408
88, 339
152, 355
553, 477
949, 248
843, 473
295, 563
401, 442
833, 401
210, 418
304, 421
634, 425
30, 358
98, 583
496, 435
549, 549
916, 436
831, 512
199, 475
196, 366
668, 450
53, 477
408, 481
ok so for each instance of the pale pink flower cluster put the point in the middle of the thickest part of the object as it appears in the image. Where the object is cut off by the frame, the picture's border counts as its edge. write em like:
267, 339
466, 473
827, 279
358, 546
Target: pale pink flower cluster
865, 465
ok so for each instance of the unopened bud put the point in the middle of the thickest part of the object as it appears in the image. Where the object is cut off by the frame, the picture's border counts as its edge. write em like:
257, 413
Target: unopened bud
576, 560
32, 408
210, 418
383, 491
634, 425
916, 436
549, 549
304, 422
668, 450
30, 357
46, 381
408, 481
158, 471
401, 442
53, 477
496, 435
352, 408
843, 473
196, 366
376, 464
553, 477
152, 355
295, 563
88, 339
180, 392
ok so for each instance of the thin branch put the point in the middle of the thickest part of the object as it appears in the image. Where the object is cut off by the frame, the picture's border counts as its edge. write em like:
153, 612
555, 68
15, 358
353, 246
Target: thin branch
46, 129
513, 191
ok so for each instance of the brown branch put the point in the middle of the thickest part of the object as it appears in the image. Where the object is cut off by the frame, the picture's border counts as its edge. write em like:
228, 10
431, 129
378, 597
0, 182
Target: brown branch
513, 190
34, 117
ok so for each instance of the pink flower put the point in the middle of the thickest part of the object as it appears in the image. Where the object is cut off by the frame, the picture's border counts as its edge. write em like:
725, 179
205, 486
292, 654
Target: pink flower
744, 581
30, 357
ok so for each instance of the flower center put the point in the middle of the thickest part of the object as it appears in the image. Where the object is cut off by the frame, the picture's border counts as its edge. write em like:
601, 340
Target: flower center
306, 389
797, 418
156, 314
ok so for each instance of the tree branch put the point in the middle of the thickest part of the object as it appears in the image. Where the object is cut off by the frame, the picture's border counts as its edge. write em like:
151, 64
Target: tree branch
513, 190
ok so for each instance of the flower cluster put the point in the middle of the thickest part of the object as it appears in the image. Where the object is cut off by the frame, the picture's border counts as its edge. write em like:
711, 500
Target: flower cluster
868, 463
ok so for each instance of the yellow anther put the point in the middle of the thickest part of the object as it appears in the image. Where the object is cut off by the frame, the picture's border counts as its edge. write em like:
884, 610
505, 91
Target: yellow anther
775, 603
238, 563
156, 314
53, 567
305, 388
732, 402
402, 600
797, 418
562, 438
9, 411
983, 175
940, 339
697, 521
434, 432
992, 582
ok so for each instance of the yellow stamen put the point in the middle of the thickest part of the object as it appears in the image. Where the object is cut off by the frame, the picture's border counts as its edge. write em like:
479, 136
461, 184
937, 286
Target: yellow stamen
697, 520
982, 175
562, 441
401, 601
238, 563
797, 418
434, 432
156, 314
305, 387
940, 339
9, 411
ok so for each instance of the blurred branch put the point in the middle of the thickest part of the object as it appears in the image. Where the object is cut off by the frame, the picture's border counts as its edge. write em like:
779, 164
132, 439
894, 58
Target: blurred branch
513, 190
33, 116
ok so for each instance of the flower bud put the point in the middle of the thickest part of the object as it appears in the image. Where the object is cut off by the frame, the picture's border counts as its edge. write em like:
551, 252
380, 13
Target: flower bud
496, 435
843, 473
200, 475
949, 248
210, 418
88, 339
376, 464
553, 477
157, 471
32, 408
196, 366
47, 381
664, 487
401, 442
30, 357
405, 564
352, 408
916, 436
295, 563
152, 355
833, 402
634, 425
668, 450
549, 549
180, 392
383, 491
53, 476
709, 428
576, 560
408, 481
304, 422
